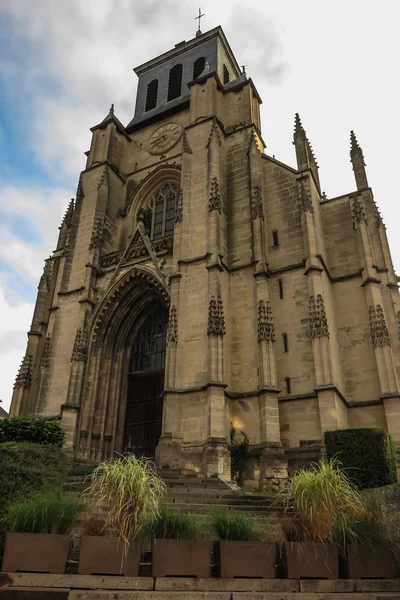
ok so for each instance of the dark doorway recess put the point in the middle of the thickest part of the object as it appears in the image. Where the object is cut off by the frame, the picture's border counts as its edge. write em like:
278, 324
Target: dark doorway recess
144, 405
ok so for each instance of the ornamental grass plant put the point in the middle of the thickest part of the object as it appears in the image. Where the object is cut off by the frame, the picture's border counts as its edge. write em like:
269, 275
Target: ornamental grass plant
129, 489
235, 526
321, 504
49, 511
172, 525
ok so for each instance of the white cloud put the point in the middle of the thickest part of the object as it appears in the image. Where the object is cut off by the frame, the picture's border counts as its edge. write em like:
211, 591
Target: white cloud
15, 322
67, 61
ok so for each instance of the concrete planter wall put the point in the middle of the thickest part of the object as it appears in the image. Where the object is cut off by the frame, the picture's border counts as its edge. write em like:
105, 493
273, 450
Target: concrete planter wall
35, 552
309, 560
104, 555
247, 559
369, 562
181, 558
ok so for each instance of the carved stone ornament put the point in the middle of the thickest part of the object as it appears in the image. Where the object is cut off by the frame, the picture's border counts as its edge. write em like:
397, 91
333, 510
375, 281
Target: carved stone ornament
379, 330
172, 330
46, 275
178, 206
216, 319
80, 349
138, 251
266, 328
398, 320
97, 234
104, 179
357, 210
257, 205
145, 215
24, 377
378, 218
214, 200
318, 321
44, 359
304, 195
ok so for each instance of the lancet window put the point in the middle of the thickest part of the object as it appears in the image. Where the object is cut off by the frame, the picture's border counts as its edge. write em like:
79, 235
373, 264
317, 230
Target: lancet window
149, 347
163, 210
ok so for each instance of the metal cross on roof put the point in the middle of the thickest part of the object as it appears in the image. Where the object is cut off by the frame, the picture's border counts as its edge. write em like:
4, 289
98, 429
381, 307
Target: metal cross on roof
199, 17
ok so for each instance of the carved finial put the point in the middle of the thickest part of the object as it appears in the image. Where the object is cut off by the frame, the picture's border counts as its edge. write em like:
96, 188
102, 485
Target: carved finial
357, 210
244, 74
185, 144
104, 180
24, 377
69, 213
80, 349
379, 330
172, 330
304, 194
214, 133
318, 325
298, 128
355, 148
97, 234
257, 204
112, 109
178, 206
216, 319
46, 275
266, 328
214, 200
44, 359
253, 143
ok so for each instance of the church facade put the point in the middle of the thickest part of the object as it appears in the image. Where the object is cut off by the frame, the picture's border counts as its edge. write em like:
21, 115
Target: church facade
202, 290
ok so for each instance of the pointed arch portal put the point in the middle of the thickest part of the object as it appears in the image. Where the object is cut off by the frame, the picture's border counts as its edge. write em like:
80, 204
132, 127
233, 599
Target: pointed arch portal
123, 400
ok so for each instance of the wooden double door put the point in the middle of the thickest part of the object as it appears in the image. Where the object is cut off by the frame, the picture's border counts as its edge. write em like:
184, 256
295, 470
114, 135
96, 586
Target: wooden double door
144, 409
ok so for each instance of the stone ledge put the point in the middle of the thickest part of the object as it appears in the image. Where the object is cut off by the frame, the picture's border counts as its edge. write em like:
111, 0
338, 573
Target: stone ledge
100, 595
299, 596
32, 580
34, 593
225, 585
340, 586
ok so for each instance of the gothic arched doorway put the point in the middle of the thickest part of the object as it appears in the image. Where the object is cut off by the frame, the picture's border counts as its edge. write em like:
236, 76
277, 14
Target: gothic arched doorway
144, 403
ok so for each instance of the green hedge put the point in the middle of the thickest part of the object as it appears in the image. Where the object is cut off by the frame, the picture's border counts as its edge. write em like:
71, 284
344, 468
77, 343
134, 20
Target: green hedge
25, 469
367, 455
31, 429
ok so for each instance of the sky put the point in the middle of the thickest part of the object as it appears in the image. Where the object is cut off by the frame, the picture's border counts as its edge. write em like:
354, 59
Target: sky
63, 62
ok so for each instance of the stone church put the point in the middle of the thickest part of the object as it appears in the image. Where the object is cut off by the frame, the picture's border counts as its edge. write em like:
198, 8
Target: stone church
203, 290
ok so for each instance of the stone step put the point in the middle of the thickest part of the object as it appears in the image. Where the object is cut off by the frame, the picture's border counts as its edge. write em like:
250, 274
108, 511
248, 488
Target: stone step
217, 499
299, 589
193, 507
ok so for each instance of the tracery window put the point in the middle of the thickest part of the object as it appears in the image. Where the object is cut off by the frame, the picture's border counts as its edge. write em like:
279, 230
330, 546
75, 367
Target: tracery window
149, 347
163, 209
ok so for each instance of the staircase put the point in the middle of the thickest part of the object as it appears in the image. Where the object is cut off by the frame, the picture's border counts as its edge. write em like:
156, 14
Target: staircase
192, 494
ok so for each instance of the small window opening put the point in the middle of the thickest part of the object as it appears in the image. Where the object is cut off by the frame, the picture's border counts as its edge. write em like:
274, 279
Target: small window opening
151, 95
285, 342
198, 67
275, 238
288, 385
226, 75
175, 82
280, 283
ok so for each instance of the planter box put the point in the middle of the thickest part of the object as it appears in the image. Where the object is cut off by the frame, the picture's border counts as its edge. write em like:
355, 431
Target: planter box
181, 558
311, 561
369, 562
35, 552
103, 555
247, 559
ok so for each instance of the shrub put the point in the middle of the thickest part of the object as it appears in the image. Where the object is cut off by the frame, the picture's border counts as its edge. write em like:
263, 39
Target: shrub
367, 455
172, 525
321, 499
234, 526
31, 429
131, 490
48, 511
25, 469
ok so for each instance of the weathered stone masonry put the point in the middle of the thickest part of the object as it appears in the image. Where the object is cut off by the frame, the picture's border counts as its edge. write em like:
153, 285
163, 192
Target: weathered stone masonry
283, 304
